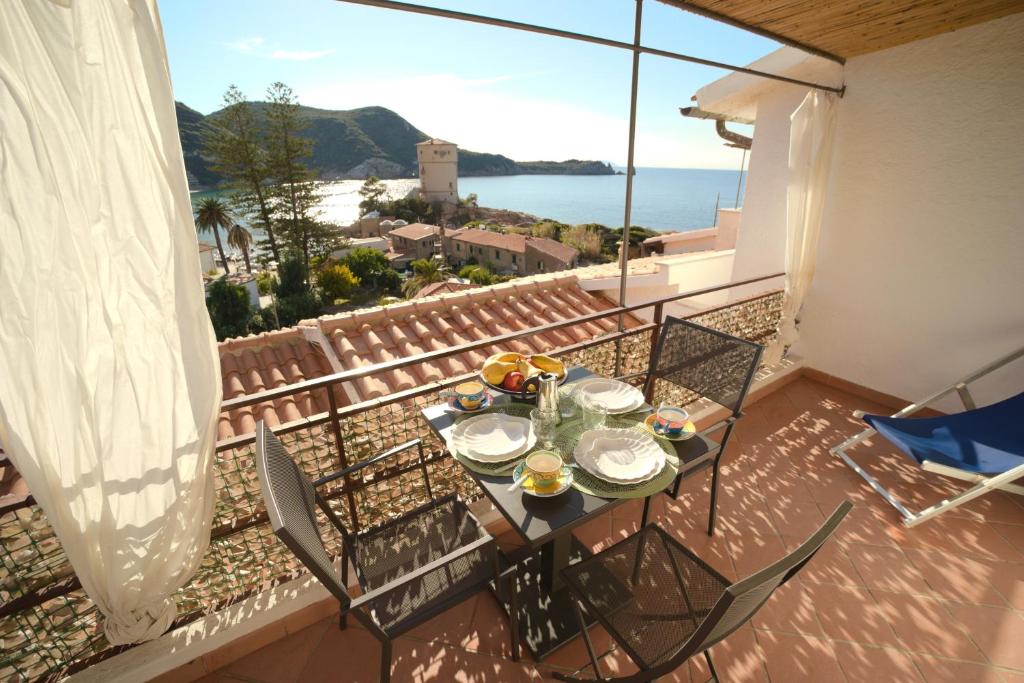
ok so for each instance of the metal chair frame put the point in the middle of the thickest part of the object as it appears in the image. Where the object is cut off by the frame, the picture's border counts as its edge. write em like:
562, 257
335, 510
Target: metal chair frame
359, 606
737, 604
982, 484
728, 423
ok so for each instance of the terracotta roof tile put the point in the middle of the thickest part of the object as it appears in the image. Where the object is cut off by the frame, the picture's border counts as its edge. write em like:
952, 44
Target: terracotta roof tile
416, 231
374, 335
435, 288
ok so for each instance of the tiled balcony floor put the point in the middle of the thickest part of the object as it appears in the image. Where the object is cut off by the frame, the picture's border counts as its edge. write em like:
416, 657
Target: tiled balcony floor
940, 602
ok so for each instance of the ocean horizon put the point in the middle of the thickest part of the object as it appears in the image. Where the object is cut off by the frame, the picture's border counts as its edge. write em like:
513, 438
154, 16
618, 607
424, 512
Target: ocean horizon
664, 199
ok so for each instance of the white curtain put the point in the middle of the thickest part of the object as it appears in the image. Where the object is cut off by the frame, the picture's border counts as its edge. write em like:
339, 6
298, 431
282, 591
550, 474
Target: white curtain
109, 375
812, 128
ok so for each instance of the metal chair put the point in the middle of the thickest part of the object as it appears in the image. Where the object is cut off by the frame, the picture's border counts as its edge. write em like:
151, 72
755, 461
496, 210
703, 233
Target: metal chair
409, 569
662, 604
713, 365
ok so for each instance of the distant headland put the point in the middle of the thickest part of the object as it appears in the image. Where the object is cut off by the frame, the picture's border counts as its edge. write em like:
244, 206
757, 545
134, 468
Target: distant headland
358, 143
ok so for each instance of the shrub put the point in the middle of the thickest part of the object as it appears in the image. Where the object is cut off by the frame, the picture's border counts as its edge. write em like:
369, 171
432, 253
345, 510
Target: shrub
337, 281
229, 309
584, 238
550, 229
265, 281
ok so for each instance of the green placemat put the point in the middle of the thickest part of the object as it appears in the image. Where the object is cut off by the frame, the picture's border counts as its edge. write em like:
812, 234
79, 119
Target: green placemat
566, 437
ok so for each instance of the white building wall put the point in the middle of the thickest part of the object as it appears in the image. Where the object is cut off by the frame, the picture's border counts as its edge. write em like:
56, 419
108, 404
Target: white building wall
920, 275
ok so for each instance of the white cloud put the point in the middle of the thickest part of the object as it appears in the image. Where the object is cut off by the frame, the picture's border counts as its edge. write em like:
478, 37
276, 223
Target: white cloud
478, 117
248, 45
300, 55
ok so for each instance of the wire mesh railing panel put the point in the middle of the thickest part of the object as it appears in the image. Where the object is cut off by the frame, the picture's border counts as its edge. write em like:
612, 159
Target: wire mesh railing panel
53, 624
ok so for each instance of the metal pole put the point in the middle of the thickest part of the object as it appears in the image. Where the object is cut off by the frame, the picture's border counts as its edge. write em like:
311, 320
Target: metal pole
743, 160
558, 33
630, 170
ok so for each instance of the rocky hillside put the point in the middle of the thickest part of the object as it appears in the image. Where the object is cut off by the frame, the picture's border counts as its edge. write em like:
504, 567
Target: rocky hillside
358, 143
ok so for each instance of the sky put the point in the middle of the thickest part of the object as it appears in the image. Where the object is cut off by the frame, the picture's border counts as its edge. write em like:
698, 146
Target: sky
488, 89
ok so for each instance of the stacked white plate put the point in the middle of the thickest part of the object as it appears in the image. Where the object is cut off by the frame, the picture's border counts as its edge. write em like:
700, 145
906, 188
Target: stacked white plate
617, 397
621, 456
493, 437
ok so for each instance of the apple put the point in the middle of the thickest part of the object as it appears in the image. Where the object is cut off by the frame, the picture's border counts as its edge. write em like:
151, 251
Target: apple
513, 381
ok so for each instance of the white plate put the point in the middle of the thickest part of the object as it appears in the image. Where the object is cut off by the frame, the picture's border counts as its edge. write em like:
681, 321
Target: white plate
493, 438
618, 397
619, 456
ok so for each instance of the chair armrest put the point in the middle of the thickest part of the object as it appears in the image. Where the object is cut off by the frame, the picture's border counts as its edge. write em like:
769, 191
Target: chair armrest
326, 479
421, 572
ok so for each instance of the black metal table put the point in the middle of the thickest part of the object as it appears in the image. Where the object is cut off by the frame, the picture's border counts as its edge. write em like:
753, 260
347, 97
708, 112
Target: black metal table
545, 525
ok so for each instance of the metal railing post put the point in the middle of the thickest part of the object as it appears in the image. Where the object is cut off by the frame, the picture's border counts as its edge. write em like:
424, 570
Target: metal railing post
630, 170
339, 443
655, 334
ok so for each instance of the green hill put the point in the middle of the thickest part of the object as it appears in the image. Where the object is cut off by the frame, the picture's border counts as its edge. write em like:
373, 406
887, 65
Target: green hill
357, 143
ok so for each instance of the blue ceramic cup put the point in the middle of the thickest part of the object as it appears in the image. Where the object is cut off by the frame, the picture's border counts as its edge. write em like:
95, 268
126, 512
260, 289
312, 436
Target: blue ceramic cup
670, 421
469, 395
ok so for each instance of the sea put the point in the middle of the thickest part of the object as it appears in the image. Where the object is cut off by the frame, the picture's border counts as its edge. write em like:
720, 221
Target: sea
664, 199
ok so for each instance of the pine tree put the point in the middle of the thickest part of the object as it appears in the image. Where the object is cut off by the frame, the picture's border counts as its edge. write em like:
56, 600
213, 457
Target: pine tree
237, 147
294, 191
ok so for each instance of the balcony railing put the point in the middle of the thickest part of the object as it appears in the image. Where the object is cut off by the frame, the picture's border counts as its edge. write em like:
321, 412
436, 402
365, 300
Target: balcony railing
49, 626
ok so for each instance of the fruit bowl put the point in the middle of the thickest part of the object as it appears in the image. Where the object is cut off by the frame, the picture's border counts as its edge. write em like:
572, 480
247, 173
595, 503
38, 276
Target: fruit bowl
506, 364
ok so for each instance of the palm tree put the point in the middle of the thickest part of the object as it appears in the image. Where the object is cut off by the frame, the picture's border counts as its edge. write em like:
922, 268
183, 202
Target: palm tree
425, 272
241, 239
212, 215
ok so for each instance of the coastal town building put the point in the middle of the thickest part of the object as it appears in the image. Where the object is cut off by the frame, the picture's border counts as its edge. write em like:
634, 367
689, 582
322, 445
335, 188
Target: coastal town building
720, 236
416, 241
207, 257
507, 253
438, 162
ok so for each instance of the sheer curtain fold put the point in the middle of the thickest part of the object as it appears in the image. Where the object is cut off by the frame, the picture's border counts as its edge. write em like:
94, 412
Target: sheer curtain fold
109, 374
812, 129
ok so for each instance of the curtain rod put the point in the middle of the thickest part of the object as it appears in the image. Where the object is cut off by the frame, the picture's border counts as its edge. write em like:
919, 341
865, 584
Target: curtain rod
582, 37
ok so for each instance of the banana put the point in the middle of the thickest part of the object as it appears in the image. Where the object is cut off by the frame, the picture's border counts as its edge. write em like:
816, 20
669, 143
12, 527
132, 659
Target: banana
548, 364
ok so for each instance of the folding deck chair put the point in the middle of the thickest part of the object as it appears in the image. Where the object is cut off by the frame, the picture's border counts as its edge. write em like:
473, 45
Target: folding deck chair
981, 445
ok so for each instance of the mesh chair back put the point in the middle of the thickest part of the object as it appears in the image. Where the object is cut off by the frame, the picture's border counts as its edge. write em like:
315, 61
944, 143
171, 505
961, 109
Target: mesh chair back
713, 364
291, 506
742, 599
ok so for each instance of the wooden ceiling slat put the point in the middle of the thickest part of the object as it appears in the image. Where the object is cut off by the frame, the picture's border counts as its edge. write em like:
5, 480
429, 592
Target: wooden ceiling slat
848, 28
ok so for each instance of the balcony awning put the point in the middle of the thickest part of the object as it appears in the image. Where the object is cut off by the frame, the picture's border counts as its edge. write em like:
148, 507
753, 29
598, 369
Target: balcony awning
846, 28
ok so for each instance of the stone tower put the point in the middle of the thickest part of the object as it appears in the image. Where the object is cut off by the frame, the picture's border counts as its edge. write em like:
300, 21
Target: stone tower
439, 171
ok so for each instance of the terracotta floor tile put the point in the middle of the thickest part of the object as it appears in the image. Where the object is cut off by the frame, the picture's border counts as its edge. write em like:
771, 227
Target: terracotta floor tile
960, 578
352, 655
573, 656
962, 536
799, 658
924, 625
997, 631
419, 662
798, 518
283, 660
490, 632
737, 658
1014, 533
1008, 579
830, 565
848, 613
936, 670
453, 626
887, 569
865, 664
789, 609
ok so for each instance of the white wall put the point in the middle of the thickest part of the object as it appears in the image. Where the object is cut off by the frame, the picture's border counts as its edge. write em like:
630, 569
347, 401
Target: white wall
920, 274
676, 274
761, 245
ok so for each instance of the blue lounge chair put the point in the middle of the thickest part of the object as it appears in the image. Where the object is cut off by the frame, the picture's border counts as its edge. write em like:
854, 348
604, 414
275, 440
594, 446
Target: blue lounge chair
981, 445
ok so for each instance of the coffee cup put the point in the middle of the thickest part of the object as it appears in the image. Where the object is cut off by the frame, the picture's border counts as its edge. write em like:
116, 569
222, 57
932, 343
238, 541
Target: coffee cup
670, 421
470, 395
544, 467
